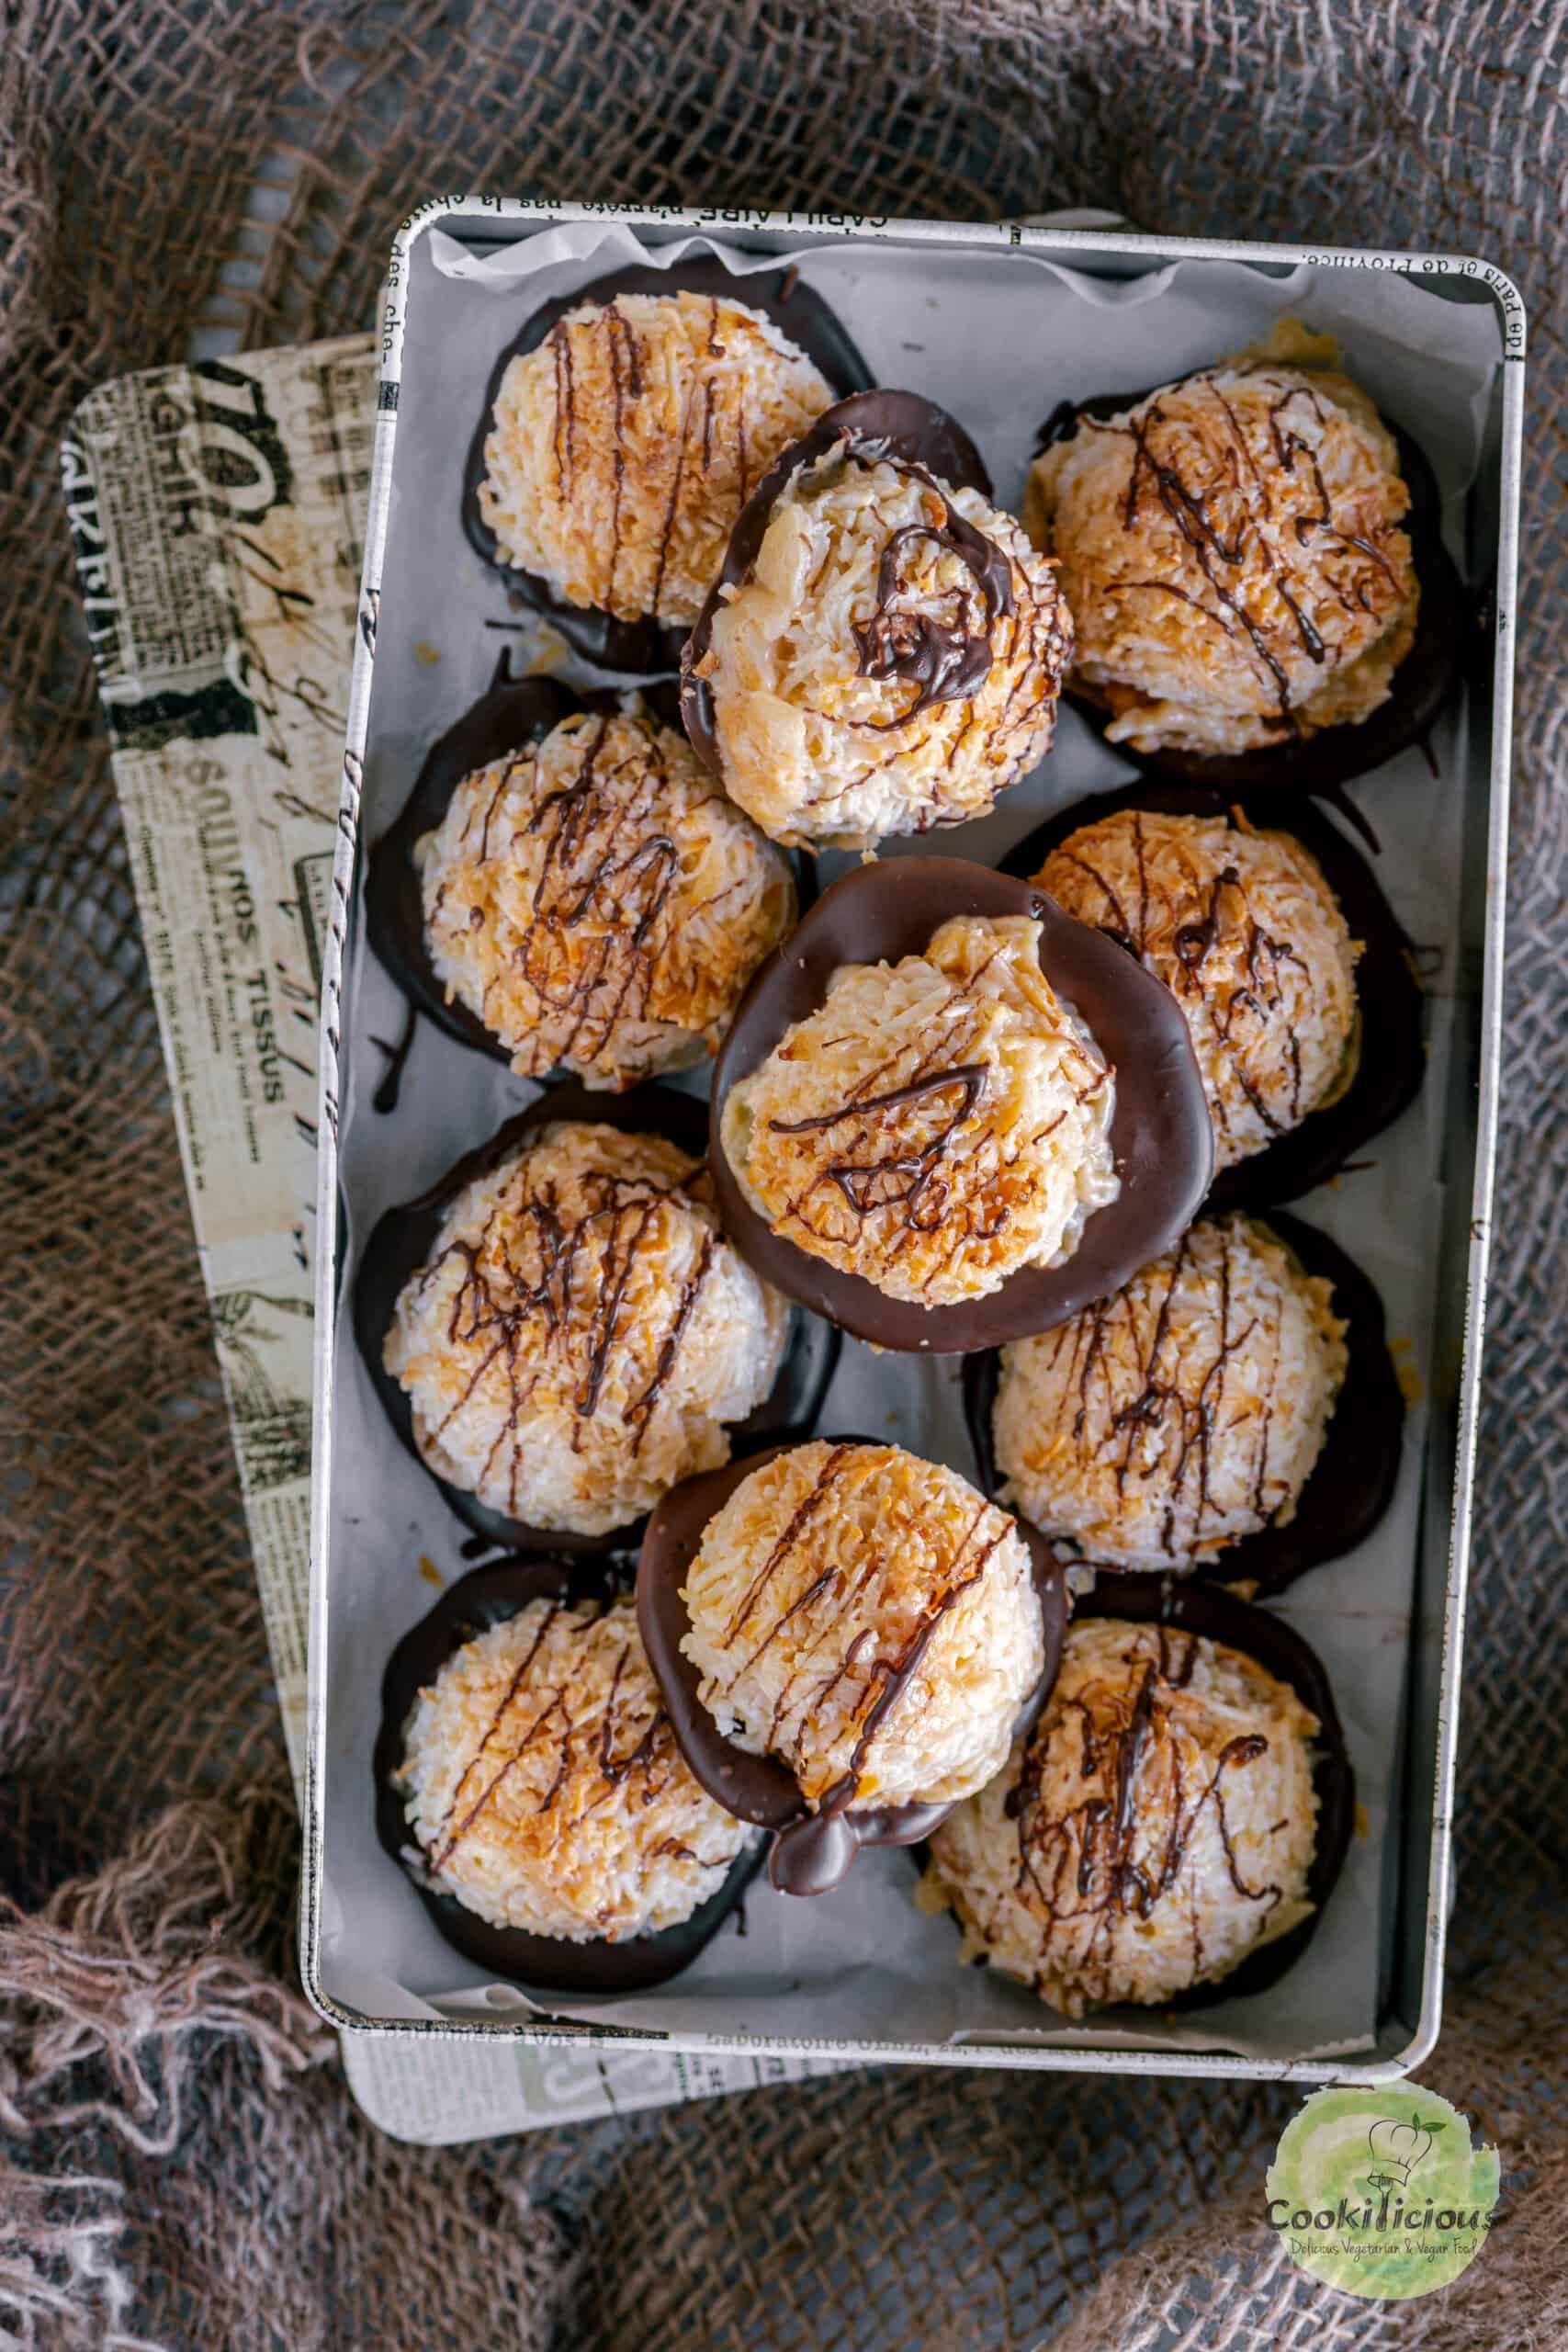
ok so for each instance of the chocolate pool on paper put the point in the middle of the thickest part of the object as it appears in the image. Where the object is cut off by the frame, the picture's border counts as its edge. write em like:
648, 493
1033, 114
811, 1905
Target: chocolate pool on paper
1391, 1053
1351, 1483
1422, 685
401, 1242
812, 1851
917, 434
1160, 1133
645, 645
488, 1597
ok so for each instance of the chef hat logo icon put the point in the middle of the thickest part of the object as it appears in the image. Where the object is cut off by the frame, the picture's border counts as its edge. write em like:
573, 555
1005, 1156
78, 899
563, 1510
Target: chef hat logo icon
1416, 2225
1397, 2148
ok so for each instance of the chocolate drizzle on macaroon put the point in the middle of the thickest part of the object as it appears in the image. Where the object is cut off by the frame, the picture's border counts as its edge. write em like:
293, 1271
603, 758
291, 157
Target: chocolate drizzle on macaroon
647, 645
1099, 1867
617, 828
401, 1243
1183, 1614
510, 715
813, 1849
1161, 1135
1350, 1485
488, 1597
1389, 1048
943, 660
1423, 681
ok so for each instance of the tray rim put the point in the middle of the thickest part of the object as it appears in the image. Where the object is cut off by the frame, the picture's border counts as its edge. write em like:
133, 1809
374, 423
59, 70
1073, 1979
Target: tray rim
1068, 245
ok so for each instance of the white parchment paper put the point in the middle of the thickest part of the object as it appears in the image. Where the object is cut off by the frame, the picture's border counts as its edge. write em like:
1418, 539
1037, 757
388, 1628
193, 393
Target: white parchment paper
1000, 336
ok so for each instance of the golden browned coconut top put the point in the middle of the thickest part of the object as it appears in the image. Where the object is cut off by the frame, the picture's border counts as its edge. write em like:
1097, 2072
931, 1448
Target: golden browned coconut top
622, 447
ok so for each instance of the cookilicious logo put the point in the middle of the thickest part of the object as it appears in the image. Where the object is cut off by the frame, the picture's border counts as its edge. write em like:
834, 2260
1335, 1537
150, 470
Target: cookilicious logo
1380, 2191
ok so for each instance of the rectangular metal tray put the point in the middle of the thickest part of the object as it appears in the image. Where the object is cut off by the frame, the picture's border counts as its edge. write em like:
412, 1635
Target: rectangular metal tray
1411, 2002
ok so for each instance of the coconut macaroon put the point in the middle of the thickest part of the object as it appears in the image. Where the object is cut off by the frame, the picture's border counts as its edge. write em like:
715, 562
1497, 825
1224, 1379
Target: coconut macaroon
869, 1620
892, 660
582, 1332
1232, 552
543, 1787
936, 1124
1157, 1829
1244, 929
1186, 1412
622, 447
597, 902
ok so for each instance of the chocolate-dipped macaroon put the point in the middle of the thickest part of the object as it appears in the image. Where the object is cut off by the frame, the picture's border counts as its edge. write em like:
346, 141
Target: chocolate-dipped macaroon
1231, 1411
592, 902
512, 716
946, 1114
528, 1781
1289, 963
561, 1331
883, 649
1252, 560
625, 429
847, 1638
1169, 1833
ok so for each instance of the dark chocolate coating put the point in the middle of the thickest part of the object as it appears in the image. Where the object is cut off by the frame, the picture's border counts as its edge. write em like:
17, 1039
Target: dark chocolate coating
401, 1243
1160, 1131
916, 432
1215, 1615
1351, 1483
513, 714
813, 1850
509, 717
488, 1597
646, 646
1393, 1059
1423, 684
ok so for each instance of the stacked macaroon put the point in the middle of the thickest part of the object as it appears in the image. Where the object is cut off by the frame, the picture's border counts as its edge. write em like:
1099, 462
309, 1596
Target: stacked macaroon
1040, 1117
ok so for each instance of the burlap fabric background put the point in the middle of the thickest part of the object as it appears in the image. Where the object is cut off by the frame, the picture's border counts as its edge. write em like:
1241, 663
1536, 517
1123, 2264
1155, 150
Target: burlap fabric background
187, 2168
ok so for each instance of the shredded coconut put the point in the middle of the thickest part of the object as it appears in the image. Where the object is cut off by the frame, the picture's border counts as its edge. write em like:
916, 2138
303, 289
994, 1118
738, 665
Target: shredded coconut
624, 446
936, 1124
1243, 930
822, 741
582, 1332
544, 1787
1157, 1828
1231, 550
598, 903
1162, 1424
838, 1574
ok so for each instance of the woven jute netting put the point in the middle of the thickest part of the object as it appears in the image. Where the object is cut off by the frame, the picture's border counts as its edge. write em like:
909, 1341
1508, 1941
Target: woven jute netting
185, 2166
